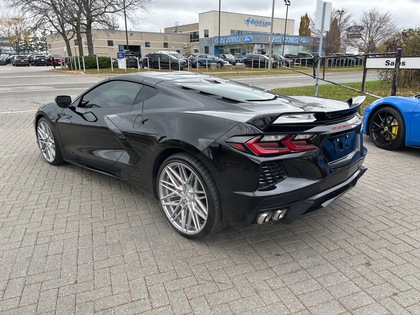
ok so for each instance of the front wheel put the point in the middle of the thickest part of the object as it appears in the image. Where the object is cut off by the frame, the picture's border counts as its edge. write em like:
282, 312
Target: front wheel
387, 129
47, 142
188, 196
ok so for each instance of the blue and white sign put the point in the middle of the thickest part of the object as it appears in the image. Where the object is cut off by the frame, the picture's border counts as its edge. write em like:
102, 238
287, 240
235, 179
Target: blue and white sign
277, 39
257, 22
292, 40
120, 54
233, 39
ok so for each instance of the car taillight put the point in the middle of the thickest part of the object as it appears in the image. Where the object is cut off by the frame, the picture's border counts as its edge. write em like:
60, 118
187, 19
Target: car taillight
274, 144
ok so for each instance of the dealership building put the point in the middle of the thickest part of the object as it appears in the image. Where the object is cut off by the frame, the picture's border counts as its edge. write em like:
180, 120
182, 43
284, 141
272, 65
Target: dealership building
235, 33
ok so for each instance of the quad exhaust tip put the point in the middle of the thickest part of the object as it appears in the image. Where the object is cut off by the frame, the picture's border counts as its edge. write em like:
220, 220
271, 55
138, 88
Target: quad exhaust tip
268, 216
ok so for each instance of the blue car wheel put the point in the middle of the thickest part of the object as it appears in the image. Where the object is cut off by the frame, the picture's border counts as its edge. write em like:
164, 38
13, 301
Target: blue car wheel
387, 128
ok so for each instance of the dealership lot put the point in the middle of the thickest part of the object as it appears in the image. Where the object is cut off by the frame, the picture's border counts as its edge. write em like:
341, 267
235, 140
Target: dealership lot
74, 241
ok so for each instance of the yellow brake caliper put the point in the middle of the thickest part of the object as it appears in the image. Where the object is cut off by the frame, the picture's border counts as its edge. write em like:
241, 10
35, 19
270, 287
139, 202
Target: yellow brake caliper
394, 130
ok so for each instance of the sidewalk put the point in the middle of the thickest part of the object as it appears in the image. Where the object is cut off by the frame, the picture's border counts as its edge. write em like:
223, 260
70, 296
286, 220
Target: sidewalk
77, 242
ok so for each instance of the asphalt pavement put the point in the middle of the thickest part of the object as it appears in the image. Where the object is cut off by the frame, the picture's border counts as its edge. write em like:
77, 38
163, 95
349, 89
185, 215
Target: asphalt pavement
77, 242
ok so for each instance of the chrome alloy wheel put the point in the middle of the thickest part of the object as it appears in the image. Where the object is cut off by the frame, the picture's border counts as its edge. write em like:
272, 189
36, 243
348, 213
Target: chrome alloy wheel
46, 141
183, 198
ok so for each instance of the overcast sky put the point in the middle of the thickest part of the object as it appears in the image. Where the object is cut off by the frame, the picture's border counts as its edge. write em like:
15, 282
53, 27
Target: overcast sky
165, 13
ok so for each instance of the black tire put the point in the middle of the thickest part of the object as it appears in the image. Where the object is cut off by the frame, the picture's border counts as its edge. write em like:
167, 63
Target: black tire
188, 196
248, 64
387, 128
47, 142
198, 65
219, 65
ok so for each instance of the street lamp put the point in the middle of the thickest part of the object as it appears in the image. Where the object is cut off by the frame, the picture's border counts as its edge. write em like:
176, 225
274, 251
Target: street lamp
287, 4
126, 32
340, 14
270, 43
218, 46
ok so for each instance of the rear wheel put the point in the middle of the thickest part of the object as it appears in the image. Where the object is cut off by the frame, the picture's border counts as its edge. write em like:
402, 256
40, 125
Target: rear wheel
387, 129
188, 196
219, 65
47, 142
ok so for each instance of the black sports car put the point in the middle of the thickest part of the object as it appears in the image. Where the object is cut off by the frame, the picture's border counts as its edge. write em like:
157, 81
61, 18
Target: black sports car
213, 152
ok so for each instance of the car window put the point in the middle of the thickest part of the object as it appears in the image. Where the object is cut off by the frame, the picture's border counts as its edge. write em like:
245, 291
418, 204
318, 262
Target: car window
146, 93
111, 94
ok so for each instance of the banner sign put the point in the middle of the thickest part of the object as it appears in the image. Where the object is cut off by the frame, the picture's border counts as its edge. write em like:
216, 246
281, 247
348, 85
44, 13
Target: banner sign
408, 63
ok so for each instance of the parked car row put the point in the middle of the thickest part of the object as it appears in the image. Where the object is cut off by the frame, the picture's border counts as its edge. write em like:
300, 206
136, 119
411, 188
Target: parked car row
336, 59
173, 61
32, 59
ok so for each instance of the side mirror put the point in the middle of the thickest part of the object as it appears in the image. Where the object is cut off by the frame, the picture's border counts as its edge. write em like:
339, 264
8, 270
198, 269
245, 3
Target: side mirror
63, 101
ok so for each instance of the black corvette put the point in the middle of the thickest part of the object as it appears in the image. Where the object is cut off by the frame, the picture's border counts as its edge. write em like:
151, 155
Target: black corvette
212, 151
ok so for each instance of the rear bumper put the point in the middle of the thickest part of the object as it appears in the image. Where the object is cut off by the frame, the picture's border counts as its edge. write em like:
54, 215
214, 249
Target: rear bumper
297, 196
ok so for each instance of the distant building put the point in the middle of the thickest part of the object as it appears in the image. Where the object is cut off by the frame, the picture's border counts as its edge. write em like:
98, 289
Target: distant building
110, 42
238, 34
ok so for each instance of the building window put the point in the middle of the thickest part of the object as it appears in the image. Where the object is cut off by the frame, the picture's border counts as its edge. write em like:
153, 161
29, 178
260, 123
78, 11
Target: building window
206, 33
194, 37
206, 49
165, 45
147, 44
110, 43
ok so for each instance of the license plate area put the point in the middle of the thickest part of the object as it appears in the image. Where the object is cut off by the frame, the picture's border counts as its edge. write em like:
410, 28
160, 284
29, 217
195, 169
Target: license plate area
339, 146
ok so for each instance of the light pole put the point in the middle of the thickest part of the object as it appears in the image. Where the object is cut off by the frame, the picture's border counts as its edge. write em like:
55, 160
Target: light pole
270, 43
287, 4
340, 14
218, 46
126, 32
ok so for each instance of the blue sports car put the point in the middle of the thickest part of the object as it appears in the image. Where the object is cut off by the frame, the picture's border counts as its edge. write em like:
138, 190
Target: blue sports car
393, 122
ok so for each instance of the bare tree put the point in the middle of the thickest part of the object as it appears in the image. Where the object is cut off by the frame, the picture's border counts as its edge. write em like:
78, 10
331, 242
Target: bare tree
50, 15
340, 21
18, 33
71, 18
377, 28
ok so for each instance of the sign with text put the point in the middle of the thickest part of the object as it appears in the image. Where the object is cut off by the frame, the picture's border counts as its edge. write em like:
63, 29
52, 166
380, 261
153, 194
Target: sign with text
409, 63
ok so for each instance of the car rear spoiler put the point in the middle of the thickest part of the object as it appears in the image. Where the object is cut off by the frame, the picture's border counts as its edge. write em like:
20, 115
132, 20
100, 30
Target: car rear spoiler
264, 121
